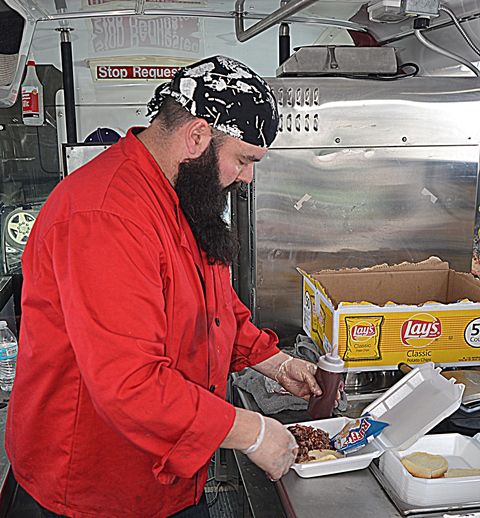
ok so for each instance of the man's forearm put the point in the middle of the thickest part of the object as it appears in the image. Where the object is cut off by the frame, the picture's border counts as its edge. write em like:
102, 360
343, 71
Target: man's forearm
244, 431
247, 424
270, 366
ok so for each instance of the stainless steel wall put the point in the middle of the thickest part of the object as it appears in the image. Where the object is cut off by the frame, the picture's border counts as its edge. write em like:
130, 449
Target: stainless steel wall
362, 172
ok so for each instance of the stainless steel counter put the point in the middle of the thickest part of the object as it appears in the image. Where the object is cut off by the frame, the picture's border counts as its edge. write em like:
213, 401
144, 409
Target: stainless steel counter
349, 494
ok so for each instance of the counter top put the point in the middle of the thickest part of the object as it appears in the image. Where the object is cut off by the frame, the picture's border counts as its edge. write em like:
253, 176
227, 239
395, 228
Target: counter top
347, 494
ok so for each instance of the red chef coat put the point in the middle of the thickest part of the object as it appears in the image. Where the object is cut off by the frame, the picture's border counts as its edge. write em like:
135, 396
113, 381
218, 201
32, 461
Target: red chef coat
127, 339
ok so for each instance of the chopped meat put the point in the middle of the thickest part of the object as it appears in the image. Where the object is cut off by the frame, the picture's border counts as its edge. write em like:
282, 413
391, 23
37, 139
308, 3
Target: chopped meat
309, 438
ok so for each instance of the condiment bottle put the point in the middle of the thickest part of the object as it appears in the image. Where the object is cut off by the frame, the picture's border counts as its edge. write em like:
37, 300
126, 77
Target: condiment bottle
32, 97
329, 373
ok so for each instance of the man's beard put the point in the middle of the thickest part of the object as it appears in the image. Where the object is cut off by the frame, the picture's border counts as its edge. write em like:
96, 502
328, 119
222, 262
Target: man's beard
204, 201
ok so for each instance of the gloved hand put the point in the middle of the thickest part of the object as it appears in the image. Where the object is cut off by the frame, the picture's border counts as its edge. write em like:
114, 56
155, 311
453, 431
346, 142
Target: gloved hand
276, 451
298, 377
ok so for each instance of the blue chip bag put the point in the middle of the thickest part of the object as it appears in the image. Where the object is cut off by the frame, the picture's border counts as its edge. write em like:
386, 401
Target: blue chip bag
357, 433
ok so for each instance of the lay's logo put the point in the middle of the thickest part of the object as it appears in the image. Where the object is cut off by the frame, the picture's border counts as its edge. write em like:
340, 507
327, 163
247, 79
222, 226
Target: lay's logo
363, 330
420, 330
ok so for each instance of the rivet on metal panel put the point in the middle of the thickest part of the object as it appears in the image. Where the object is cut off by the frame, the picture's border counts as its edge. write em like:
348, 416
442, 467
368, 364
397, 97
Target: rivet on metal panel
280, 123
307, 122
289, 122
404, 139
337, 140
307, 96
289, 97
315, 122
298, 96
316, 97
298, 122
280, 97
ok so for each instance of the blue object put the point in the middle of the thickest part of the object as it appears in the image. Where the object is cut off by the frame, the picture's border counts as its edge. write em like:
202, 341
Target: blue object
357, 433
104, 136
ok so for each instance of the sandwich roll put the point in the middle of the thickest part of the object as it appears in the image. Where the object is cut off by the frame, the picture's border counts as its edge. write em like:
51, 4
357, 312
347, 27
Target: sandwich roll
425, 465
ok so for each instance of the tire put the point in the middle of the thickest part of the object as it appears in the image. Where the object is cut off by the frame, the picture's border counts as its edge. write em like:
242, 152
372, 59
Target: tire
18, 225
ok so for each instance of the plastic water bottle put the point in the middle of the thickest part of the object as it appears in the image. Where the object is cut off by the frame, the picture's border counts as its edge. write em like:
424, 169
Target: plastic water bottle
8, 357
32, 97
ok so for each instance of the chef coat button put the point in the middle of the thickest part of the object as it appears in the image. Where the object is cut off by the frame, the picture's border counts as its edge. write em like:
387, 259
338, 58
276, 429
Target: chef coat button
217, 321
212, 388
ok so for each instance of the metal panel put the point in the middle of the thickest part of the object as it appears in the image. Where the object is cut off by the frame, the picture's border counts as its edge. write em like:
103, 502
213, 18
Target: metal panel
353, 190
77, 155
335, 208
341, 60
339, 112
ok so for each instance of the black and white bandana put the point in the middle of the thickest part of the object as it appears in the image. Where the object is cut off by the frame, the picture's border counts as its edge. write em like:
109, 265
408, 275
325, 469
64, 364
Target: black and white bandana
230, 96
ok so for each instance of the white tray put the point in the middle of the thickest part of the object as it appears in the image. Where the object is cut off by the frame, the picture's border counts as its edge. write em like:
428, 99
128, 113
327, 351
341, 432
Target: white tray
351, 462
460, 452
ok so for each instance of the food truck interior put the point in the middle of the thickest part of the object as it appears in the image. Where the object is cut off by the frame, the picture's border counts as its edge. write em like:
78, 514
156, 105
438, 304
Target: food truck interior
376, 161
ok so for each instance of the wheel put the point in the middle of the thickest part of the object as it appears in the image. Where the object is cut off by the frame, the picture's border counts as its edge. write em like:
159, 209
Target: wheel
18, 225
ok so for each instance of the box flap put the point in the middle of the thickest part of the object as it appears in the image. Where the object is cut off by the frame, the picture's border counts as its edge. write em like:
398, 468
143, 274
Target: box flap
405, 283
415, 405
432, 263
380, 287
463, 286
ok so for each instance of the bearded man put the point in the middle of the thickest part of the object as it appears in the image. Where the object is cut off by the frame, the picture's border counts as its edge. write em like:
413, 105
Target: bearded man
130, 325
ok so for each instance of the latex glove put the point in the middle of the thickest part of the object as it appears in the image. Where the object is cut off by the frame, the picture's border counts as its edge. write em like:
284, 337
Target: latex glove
277, 450
298, 377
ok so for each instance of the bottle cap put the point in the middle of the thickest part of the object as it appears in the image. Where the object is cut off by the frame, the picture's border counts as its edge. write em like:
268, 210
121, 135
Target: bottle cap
30, 62
3, 324
331, 363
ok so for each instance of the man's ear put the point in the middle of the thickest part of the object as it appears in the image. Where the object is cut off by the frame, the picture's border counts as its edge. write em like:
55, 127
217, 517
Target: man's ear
197, 137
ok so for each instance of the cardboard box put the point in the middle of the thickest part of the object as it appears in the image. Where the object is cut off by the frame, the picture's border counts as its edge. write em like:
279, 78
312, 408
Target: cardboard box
381, 316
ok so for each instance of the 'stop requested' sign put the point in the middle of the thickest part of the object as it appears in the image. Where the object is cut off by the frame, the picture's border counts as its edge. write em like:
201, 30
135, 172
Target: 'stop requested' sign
104, 72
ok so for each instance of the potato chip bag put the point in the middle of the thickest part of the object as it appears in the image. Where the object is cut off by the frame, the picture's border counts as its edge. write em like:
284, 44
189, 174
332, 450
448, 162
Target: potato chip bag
363, 338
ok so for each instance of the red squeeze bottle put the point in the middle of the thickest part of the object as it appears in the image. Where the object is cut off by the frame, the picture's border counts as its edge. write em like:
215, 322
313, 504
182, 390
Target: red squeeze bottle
329, 374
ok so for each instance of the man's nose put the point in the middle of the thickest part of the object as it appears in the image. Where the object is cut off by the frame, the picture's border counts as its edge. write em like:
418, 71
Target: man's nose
246, 175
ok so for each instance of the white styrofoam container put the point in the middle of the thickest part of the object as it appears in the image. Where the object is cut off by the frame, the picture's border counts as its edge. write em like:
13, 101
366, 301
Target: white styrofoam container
351, 462
411, 407
460, 452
